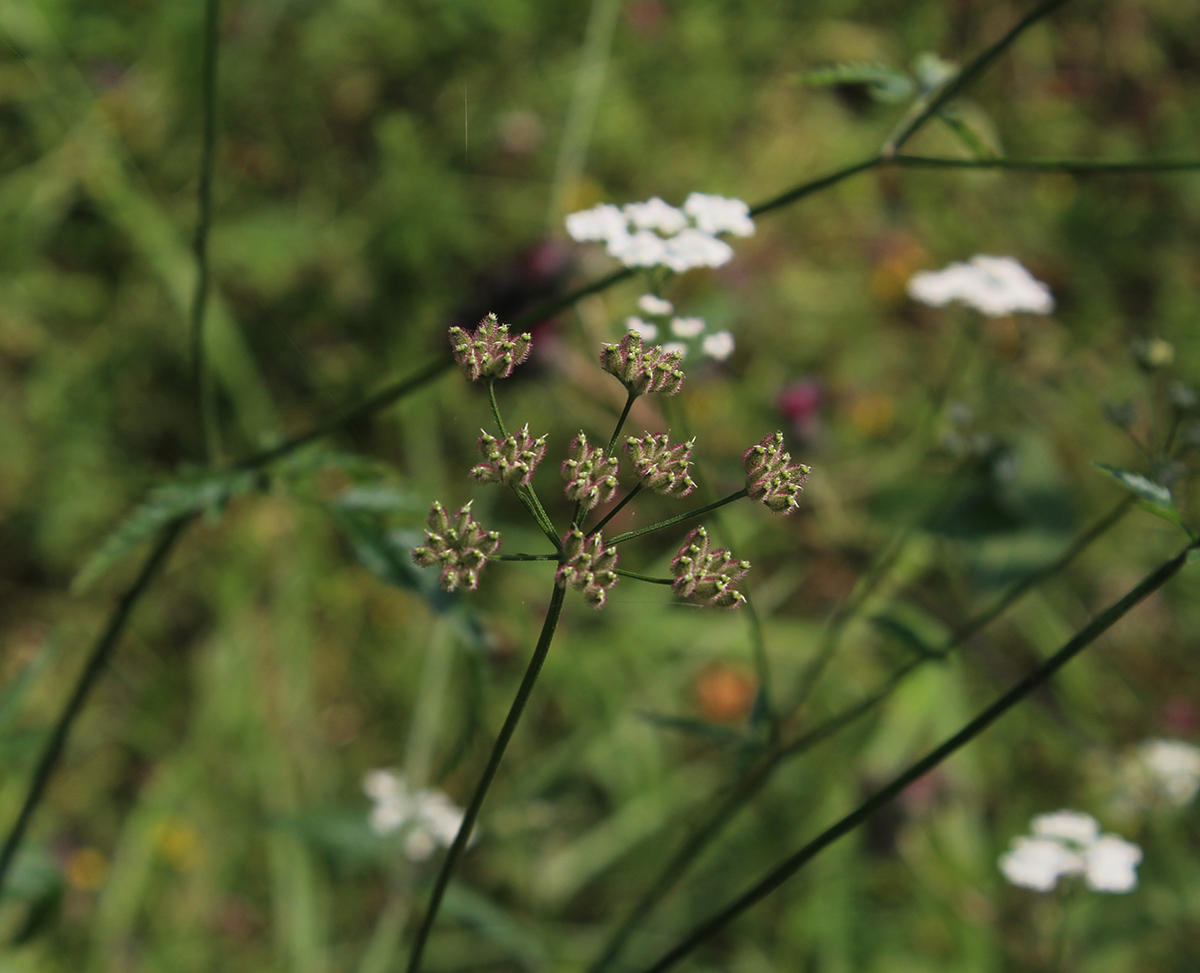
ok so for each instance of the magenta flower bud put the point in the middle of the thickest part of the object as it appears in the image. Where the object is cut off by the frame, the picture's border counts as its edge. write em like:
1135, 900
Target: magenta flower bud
772, 477
587, 566
510, 460
591, 476
459, 547
488, 352
642, 370
660, 466
705, 575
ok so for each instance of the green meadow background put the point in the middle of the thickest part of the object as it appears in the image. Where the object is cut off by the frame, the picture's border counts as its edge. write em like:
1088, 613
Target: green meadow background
387, 169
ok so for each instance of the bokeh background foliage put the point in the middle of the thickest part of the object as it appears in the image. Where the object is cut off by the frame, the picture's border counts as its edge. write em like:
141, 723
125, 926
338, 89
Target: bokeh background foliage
385, 170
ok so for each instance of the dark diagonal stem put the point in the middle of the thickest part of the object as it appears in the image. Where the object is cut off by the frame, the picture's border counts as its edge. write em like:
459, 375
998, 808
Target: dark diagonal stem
746, 789
637, 488
97, 662
792, 864
489, 773
969, 73
670, 522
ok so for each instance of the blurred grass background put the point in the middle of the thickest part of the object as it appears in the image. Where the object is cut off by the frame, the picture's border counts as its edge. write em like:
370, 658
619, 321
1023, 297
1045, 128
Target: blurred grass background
385, 170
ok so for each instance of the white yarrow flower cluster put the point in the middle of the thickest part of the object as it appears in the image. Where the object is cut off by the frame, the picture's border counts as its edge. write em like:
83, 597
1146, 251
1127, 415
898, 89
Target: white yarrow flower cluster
1175, 766
1159, 773
996, 286
1068, 843
430, 818
657, 234
719, 345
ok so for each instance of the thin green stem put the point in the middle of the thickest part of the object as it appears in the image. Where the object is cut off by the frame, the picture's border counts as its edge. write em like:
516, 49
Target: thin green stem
1059, 947
526, 494
616, 510
644, 577
629, 400
535, 510
989, 715
489, 772
201, 380
836, 626
524, 557
698, 512
744, 791
1099, 166
549, 308
377, 402
97, 662
1032, 580
491, 391
969, 73
752, 782
797, 193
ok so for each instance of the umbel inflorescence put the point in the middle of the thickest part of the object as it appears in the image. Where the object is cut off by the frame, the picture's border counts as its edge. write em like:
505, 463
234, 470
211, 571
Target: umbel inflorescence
587, 561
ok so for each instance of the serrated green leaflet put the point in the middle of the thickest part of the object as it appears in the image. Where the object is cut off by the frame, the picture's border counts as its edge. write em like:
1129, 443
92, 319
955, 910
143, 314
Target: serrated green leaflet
204, 494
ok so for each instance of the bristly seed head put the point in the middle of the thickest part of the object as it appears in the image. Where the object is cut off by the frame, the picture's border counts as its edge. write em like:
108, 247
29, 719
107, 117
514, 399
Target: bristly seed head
705, 575
460, 547
772, 477
591, 476
587, 566
510, 460
660, 466
488, 352
642, 370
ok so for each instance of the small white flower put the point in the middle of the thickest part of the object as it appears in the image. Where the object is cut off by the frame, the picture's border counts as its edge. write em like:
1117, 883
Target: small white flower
687, 327
1074, 826
656, 306
676, 346
1175, 766
694, 248
654, 214
1069, 843
996, 286
1112, 864
429, 817
718, 345
718, 214
1038, 863
647, 330
603, 222
640, 249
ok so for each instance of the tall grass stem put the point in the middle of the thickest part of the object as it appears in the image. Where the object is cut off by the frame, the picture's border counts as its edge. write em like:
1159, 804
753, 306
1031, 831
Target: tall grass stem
553, 611
201, 379
989, 715
96, 663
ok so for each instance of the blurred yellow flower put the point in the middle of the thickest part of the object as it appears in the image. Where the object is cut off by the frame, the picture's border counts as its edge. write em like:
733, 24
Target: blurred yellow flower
86, 869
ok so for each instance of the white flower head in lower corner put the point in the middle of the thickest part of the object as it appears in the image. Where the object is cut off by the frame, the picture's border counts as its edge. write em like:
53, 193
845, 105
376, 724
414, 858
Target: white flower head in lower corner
1069, 843
995, 286
428, 817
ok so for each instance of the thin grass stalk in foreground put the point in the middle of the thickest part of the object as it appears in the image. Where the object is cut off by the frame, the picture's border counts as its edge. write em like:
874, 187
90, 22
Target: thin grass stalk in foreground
791, 865
1097, 166
489, 772
391, 393
969, 73
201, 380
96, 663
756, 777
